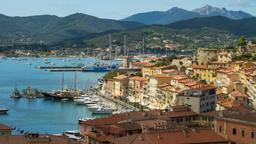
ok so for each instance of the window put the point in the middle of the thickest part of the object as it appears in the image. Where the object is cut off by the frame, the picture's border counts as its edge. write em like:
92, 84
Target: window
220, 129
234, 131
243, 133
252, 135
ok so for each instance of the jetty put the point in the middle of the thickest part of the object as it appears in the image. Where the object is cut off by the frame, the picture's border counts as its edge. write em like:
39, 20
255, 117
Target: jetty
59, 67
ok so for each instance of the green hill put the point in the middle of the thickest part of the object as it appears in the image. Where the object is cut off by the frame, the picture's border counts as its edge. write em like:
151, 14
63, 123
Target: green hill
244, 27
51, 29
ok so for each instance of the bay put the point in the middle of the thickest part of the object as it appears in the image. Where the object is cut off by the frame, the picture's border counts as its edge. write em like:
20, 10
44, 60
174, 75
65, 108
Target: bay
39, 115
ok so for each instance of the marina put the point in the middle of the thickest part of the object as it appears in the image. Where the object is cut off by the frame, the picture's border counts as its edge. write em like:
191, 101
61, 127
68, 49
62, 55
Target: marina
34, 112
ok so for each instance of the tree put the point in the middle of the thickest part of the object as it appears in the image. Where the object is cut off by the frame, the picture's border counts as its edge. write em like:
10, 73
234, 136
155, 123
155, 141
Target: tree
242, 41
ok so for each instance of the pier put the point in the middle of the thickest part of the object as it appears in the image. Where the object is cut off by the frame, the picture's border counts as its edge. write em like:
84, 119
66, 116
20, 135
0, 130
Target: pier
60, 67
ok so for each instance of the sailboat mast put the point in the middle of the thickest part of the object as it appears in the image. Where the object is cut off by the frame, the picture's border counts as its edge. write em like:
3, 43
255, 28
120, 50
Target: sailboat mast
62, 82
75, 80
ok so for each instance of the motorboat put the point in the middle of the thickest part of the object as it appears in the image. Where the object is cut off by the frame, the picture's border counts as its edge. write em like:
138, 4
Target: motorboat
3, 110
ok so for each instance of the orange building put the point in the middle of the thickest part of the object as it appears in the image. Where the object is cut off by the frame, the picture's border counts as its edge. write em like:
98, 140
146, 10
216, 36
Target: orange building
237, 128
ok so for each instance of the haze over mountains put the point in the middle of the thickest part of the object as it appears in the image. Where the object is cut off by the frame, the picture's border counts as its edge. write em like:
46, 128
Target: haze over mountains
176, 14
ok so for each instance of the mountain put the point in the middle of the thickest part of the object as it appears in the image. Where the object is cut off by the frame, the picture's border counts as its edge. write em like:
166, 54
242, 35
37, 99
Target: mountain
244, 27
214, 11
52, 29
166, 17
176, 14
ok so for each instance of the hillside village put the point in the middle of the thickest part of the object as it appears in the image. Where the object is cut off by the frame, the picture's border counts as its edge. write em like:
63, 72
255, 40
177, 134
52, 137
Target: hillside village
210, 94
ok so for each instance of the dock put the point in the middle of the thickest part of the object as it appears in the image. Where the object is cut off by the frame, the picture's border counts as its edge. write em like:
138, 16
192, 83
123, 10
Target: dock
65, 70
60, 67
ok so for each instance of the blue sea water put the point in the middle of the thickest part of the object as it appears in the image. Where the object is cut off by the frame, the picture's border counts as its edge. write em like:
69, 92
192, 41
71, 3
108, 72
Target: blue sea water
39, 115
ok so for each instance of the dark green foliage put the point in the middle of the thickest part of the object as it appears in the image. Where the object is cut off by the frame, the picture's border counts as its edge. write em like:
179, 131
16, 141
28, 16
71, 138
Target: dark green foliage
187, 38
247, 56
242, 41
110, 75
165, 61
52, 29
244, 27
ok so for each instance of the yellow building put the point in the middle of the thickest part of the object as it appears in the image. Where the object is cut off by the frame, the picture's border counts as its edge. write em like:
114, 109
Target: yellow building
120, 86
203, 72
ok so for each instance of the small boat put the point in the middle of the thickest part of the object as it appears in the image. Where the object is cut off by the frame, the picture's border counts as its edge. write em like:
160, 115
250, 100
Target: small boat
65, 99
16, 94
102, 110
3, 110
79, 101
84, 119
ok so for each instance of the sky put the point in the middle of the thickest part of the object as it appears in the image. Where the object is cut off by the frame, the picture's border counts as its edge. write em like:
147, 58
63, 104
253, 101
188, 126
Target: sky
112, 9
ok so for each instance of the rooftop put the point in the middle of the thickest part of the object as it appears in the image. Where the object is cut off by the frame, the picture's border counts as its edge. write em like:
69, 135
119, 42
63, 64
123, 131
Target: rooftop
174, 137
4, 127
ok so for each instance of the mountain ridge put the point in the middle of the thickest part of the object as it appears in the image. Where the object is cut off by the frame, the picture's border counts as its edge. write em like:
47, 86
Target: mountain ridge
177, 14
50, 28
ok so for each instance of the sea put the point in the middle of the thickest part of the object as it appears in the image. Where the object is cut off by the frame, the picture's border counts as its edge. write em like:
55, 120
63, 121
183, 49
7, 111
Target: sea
41, 115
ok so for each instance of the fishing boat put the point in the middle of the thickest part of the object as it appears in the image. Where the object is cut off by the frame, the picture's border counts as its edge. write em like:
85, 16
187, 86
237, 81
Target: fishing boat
32, 93
3, 110
16, 94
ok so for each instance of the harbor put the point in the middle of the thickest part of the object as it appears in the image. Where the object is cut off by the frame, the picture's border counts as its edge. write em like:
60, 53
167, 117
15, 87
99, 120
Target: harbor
45, 115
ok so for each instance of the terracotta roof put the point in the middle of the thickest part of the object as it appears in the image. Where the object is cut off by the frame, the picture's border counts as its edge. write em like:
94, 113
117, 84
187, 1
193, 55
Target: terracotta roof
151, 123
50, 139
179, 77
198, 66
137, 78
175, 137
163, 85
115, 119
4, 127
160, 76
238, 94
141, 64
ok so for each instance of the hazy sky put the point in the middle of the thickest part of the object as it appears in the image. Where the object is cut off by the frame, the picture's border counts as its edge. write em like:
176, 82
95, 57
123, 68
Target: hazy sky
114, 9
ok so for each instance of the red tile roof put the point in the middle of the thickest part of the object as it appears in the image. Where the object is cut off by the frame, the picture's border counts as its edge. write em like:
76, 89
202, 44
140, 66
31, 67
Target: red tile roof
238, 94
4, 127
174, 137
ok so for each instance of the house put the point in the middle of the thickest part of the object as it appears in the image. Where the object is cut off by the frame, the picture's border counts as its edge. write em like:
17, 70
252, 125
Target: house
188, 136
120, 86
136, 85
201, 99
5, 130
237, 127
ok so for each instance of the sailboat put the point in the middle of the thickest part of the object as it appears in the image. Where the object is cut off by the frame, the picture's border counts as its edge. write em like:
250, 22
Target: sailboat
63, 94
16, 94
